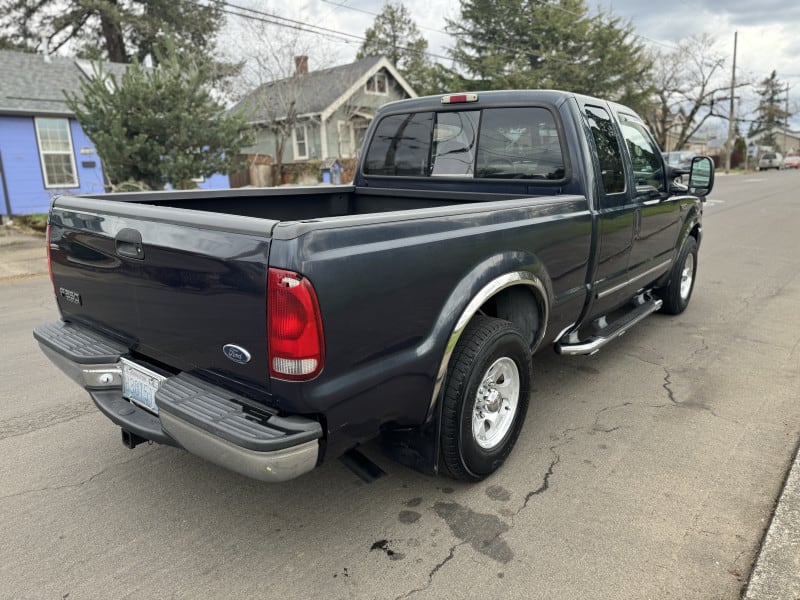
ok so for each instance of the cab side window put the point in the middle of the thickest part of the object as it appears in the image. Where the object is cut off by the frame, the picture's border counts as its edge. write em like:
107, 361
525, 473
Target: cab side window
648, 166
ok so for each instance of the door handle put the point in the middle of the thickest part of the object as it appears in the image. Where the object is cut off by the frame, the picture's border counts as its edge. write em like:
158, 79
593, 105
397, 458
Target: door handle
128, 244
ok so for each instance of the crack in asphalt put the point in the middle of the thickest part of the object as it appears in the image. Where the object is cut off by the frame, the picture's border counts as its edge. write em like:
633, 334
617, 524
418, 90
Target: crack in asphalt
596, 425
639, 358
543, 487
704, 348
451, 554
37, 421
78, 484
668, 385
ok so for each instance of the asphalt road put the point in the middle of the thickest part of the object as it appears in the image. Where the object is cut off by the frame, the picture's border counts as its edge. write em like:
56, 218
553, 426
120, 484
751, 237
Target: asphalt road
647, 471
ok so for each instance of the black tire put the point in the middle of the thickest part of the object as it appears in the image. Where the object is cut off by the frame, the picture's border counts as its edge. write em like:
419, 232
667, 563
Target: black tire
487, 348
678, 292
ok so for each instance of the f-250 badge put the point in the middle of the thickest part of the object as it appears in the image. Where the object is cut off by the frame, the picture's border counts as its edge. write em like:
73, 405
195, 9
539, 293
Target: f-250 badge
70, 296
236, 353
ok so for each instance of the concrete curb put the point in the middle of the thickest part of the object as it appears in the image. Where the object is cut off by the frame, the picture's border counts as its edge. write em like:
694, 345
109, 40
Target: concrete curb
776, 575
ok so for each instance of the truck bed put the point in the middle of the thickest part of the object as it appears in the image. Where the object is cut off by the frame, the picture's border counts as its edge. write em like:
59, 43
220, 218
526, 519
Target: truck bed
308, 203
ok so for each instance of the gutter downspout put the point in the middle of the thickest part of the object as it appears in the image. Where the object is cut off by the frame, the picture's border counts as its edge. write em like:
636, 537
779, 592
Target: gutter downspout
5, 188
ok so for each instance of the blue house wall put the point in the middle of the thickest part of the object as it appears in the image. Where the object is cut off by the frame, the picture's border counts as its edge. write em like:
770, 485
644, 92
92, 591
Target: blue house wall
24, 172
23, 168
217, 181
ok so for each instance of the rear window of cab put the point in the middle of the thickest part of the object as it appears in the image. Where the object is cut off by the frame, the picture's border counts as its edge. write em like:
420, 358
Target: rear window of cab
493, 143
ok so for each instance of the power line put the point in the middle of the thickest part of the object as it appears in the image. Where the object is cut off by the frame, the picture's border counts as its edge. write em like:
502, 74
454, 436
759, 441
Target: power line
245, 12
374, 14
260, 15
272, 19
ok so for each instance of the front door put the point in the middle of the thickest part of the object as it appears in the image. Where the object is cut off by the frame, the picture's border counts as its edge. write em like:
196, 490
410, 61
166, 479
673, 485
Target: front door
657, 216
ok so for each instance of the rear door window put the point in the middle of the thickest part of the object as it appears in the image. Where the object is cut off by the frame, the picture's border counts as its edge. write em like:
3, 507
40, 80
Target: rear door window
608, 151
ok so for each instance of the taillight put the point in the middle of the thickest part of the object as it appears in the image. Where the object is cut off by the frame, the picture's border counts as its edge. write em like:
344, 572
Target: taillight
294, 327
49, 258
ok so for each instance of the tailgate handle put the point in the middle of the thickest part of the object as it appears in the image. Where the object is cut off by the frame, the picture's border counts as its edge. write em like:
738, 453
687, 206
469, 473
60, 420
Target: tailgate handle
129, 244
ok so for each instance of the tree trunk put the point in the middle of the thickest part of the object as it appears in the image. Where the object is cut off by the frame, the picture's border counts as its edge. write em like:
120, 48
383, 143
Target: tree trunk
112, 33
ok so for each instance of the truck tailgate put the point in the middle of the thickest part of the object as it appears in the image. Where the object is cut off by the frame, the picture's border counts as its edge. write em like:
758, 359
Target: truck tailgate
178, 285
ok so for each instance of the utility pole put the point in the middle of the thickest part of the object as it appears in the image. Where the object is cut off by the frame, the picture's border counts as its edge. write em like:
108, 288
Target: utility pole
731, 115
786, 120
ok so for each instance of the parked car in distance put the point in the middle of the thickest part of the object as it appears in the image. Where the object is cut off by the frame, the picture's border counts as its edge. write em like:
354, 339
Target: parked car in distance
770, 160
792, 162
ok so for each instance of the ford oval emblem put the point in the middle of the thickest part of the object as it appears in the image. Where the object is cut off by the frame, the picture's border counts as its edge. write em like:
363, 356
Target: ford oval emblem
236, 353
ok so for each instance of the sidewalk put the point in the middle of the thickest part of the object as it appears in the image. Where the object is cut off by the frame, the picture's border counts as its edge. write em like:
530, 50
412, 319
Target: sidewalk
21, 254
776, 575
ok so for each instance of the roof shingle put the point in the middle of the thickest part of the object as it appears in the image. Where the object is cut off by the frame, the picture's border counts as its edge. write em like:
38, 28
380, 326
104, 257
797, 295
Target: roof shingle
30, 85
312, 92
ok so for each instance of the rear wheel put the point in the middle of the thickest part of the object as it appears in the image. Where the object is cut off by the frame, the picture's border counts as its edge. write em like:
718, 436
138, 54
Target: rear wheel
486, 398
678, 292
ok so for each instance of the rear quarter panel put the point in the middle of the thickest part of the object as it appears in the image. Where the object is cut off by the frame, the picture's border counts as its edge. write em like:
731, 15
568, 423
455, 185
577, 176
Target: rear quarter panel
390, 292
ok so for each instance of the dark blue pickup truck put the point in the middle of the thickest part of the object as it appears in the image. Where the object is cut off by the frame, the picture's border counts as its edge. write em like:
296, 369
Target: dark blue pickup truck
267, 330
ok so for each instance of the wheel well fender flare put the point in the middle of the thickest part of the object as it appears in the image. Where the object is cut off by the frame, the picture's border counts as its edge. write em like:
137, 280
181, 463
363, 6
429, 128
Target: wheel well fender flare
488, 283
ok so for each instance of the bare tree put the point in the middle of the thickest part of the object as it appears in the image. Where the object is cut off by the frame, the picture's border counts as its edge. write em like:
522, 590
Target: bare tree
691, 86
275, 62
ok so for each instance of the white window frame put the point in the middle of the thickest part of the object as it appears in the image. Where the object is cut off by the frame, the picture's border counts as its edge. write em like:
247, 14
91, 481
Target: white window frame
295, 146
71, 184
371, 86
345, 129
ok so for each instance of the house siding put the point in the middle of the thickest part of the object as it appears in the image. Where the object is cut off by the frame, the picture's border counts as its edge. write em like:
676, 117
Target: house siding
344, 100
363, 102
23, 169
217, 181
265, 144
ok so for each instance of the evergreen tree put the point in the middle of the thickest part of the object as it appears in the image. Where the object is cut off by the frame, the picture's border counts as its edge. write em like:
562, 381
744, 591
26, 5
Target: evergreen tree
395, 35
115, 30
770, 112
518, 44
159, 126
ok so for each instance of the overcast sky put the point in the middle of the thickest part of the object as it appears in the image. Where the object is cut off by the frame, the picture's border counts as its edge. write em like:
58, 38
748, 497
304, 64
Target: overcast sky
769, 30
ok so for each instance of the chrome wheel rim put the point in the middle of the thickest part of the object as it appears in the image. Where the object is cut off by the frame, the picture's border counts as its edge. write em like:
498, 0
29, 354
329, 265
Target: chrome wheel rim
687, 276
496, 403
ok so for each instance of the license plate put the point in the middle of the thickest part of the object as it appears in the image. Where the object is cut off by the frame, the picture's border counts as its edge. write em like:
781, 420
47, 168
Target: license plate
139, 385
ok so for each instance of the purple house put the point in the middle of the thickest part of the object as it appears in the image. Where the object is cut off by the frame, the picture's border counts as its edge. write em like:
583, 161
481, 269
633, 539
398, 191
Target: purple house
43, 150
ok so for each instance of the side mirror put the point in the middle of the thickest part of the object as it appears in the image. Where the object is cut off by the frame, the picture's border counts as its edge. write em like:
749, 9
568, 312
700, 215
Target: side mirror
701, 176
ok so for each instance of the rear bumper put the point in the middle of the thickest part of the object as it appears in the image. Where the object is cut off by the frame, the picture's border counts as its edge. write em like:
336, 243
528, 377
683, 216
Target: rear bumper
202, 418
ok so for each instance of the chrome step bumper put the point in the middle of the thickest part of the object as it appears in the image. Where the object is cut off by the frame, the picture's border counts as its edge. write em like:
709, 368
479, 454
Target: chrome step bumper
207, 420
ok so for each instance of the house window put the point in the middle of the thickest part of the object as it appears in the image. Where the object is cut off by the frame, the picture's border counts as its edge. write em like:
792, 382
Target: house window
378, 84
300, 139
56, 153
347, 142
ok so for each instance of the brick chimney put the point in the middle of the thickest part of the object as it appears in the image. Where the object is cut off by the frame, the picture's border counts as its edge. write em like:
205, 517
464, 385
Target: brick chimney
301, 65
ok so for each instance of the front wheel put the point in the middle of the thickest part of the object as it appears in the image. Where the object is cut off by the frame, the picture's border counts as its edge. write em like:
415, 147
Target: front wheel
485, 399
678, 292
